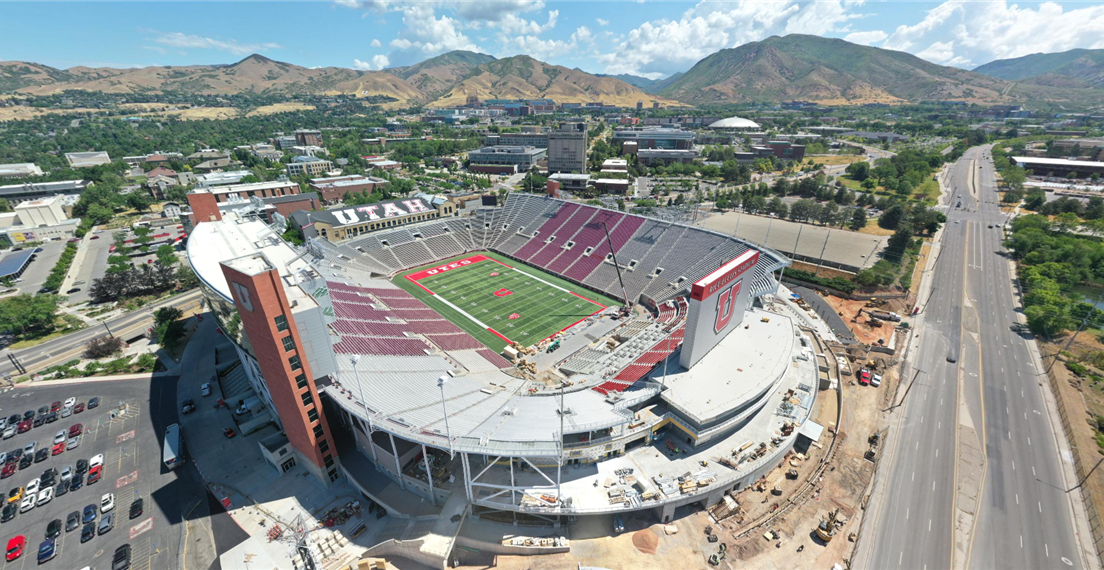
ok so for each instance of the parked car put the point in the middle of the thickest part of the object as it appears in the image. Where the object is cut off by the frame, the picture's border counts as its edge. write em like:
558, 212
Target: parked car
72, 521
55, 406
136, 508
876, 380
26, 461
66, 412
9, 512
96, 461
66, 473
78, 408
90, 514
25, 426
94, 474
15, 547
53, 530
47, 550
41, 455
30, 448
76, 483
88, 532
121, 559
74, 442
9, 432
75, 430
205, 390
45, 496
188, 407
81, 467
107, 502
107, 523
62, 489
8, 470
15, 495
70, 402
28, 503
93, 402
58, 448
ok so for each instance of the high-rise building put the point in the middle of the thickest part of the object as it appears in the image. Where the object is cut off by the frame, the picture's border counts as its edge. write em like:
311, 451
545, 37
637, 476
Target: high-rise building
308, 137
567, 148
639, 105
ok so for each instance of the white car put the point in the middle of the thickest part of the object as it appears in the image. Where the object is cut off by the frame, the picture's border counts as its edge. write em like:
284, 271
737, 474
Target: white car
45, 496
28, 502
97, 460
876, 380
9, 432
205, 390
30, 448
32, 487
60, 437
67, 473
70, 402
107, 502
74, 442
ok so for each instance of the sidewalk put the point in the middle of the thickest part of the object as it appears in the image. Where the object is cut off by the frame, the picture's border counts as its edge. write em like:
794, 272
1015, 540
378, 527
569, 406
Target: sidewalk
259, 497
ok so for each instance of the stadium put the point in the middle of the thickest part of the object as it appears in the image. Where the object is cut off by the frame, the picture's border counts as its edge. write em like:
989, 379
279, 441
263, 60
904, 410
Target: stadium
541, 358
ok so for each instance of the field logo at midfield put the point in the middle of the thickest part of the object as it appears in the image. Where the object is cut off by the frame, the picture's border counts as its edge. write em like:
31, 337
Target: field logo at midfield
503, 293
514, 316
494, 274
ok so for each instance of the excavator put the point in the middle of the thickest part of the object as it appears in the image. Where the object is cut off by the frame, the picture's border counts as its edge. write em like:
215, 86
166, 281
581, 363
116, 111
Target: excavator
827, 528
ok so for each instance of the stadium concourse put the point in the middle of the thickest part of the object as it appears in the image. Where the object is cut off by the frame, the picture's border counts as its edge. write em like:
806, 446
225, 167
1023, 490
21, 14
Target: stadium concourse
699, 369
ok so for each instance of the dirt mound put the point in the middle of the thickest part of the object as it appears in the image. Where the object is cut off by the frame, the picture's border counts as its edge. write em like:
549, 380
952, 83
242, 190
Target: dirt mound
645, 541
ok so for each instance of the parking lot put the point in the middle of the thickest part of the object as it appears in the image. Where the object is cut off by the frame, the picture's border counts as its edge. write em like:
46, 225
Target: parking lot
132, 468
93, 266
39, 269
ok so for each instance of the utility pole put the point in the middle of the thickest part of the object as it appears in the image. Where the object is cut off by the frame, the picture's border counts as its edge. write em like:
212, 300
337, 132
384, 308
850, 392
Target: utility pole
1084, 321
820, 260
902, 402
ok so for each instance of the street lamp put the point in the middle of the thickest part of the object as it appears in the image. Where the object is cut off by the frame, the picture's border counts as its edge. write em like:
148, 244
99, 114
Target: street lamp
448, 435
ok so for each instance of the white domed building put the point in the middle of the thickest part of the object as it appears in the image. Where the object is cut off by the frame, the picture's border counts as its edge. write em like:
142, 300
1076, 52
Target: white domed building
735, 124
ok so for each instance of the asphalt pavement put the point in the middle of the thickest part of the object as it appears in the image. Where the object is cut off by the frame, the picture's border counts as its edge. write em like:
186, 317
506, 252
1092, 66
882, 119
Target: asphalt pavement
131, 445
39, 269
969, 353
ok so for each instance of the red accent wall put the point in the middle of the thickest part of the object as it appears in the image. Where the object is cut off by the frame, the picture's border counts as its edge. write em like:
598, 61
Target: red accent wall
268, 300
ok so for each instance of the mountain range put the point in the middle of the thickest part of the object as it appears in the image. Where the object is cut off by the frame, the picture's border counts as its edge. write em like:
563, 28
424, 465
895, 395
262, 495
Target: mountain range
802, 67
1073, 68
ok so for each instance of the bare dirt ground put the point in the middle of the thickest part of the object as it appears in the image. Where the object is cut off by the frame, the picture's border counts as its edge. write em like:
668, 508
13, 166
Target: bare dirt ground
865, 333
279, 108
835, 159
23, 113
874, 229
841, 485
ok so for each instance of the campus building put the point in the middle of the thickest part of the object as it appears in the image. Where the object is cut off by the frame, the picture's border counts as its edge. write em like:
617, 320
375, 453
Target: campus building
567, 148
503, 159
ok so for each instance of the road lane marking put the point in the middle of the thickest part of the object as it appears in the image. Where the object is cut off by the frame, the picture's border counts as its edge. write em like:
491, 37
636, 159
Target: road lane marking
933, 485
906, 514
1040, 506
929, 525
937, 452
1017, 498
1021, 541
1013, 465
1032, 470
1029, 440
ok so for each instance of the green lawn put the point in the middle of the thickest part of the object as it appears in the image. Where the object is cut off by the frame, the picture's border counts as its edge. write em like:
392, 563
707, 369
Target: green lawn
541, 304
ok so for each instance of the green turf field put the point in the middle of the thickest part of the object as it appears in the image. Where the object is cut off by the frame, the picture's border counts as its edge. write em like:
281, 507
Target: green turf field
481, 295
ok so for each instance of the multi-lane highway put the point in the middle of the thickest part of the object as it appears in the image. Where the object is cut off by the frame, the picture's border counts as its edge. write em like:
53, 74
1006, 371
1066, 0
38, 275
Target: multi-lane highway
70, 346
977, 372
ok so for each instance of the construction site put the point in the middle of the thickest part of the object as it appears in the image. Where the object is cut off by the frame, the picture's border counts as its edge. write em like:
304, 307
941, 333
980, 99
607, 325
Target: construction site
805, 511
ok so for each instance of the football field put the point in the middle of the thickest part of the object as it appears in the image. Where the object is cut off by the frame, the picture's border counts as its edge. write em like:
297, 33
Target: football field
498, 302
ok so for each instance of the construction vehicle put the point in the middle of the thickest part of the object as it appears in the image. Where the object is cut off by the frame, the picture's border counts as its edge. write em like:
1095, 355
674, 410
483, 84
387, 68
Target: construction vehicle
876, 302
826, 530
885, 316
715, 559
554, 346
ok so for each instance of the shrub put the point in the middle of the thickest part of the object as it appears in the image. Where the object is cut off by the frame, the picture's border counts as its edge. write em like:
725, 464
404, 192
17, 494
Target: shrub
1077, 368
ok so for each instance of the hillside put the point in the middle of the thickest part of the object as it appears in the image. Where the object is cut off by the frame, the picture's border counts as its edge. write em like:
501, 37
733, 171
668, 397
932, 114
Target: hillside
664, 83
522, 77
437, 75
256, 74
1073, 68
828, 70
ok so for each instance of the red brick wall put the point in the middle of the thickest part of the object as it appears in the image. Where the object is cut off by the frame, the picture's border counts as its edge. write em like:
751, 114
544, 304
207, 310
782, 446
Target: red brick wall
267, 298
204, 208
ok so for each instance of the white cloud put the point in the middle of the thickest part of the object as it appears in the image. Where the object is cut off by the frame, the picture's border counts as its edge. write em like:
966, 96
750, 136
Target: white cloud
866, 38
181, 40
495, 10
546, 49
965, 33
514, 25
375, 43
601, 22
377, 63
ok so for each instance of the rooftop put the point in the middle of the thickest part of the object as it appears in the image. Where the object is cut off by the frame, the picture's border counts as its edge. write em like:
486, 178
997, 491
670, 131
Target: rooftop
236, 237
1059, 161
15, 262
734, 123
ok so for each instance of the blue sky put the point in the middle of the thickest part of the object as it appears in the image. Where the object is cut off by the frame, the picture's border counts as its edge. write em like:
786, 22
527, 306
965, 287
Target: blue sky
648, 38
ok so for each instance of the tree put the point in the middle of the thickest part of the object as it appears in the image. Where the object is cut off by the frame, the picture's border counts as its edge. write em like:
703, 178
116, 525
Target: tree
898, 242
778, 207
892, 217
28, 314
5, 206
137, 201
859, 171
799, 210
166, 255
1071, 175
828, 214
103, 347
858, 219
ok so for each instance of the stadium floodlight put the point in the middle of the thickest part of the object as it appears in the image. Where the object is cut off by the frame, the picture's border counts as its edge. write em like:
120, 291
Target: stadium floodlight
448, 435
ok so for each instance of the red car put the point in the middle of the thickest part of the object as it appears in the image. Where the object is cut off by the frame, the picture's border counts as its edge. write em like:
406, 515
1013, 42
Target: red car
75, 430
94, 474
78, 408
9, 470
229, 433
55, 406
16, 546
864, 377
58, 449
94, 237
25, 426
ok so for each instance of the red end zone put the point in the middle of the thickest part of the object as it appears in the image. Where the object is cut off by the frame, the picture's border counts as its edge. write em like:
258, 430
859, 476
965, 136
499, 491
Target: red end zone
443, 268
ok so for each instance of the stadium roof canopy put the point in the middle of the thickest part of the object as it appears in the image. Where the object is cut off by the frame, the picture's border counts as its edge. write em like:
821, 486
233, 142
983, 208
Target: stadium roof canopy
734, 123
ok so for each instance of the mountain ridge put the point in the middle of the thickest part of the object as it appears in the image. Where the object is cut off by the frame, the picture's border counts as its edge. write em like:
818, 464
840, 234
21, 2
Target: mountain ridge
1071, 68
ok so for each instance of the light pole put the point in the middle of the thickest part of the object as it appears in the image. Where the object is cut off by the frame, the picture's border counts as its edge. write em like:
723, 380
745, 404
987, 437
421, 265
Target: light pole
364, 403
448, 435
